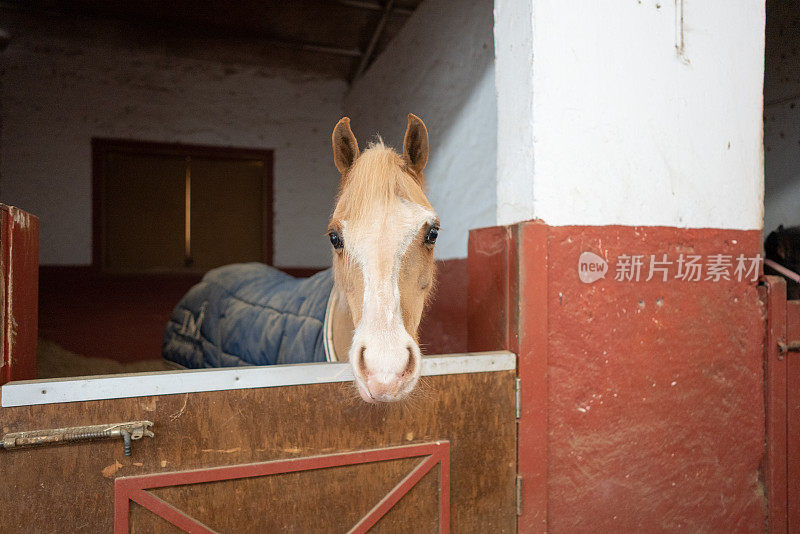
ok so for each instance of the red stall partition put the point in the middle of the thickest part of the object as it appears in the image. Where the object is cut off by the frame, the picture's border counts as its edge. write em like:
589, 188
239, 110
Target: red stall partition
19, 290
782, 382
640, 353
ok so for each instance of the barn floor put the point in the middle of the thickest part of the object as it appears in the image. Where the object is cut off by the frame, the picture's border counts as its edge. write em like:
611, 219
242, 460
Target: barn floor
54, 361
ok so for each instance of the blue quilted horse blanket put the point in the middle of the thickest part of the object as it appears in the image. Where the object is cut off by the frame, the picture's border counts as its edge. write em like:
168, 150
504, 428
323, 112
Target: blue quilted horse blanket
249, 314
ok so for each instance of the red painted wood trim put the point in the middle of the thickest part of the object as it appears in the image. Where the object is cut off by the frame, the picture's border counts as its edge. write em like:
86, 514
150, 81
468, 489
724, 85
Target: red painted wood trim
514, 268
443, 329
491, 289
276, 467
775, 384
444, 488
169, 512
792, 360
508, 273
19, 267
532, 362
397, 493
122, 498
132, 488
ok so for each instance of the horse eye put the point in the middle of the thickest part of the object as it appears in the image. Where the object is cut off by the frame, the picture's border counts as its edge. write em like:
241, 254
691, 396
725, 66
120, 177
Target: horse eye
430, 237
336, 240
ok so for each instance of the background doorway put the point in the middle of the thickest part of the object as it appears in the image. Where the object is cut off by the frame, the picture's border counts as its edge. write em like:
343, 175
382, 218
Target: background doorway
179, 208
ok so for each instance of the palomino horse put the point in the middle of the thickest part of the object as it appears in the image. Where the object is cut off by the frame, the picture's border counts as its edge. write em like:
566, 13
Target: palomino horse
382, 232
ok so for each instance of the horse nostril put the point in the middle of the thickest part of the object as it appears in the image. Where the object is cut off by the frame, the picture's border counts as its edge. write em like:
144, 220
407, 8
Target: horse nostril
361, 362
409, 370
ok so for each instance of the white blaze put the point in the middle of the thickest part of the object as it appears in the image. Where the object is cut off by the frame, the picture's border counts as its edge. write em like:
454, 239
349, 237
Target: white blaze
377, 244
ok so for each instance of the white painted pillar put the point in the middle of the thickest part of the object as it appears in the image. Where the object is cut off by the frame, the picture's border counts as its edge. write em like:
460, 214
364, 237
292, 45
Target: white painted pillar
513, 45
636, 113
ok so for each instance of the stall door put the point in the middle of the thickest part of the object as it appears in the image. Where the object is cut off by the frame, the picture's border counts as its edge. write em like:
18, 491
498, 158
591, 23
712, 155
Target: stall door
173, 208
782, 355
269, 449
792, 357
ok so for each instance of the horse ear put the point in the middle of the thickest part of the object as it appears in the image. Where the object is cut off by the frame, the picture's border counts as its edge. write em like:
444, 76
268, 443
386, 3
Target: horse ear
415, 144
345, 146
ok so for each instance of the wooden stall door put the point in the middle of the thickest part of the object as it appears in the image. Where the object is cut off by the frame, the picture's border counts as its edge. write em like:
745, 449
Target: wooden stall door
782, 365
228, 197
792, 358
172, 208
142, 199
293, 458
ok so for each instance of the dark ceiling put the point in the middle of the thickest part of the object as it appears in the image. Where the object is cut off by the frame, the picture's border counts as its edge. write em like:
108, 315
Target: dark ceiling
331, 37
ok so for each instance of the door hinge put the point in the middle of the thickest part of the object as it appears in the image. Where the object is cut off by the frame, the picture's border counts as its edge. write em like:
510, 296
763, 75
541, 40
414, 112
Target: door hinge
519, 397
519, 495
31, 438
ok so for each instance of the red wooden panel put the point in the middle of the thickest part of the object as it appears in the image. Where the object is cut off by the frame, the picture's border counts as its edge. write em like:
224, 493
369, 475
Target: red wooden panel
19, 234
507, 299
775, 384
443, 329
77, 302
655, 388
775, 405
135, 488
792, 360
671, 371
532, 370
492, 289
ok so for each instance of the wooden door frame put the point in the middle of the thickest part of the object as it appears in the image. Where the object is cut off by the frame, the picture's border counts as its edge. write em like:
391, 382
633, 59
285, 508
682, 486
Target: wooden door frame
102, 146
781, 461
773, 294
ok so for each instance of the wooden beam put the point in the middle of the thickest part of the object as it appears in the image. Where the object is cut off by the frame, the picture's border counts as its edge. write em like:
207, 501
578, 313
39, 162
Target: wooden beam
375, 6
364, 63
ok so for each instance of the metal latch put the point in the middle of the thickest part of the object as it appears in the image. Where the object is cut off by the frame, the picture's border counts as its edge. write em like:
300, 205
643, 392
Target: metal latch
32, 438
783, 347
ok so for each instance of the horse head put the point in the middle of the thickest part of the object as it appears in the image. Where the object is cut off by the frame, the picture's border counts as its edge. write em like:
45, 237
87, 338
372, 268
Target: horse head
382, 232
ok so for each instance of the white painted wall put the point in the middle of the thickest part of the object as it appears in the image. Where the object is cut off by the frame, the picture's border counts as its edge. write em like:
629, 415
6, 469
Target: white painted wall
782, 115
625, 129
66, 82
440, 67
597, 118
513, 41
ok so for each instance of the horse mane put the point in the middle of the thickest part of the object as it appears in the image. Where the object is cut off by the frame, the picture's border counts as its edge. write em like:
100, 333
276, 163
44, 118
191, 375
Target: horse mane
378, 176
